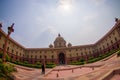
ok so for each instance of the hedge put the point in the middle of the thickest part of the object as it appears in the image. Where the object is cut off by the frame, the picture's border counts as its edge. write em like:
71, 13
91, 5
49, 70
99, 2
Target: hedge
118, 53
91, 59
77, 63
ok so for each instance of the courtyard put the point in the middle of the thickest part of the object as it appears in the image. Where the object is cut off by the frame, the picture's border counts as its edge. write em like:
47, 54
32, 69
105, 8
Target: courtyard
94, 71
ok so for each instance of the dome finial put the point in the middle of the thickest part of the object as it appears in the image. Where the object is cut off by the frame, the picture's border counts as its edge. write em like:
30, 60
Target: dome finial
59, 34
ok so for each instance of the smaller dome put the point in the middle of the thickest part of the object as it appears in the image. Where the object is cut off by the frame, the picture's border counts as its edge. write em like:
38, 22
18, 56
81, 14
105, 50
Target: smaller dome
50, 46
69, 44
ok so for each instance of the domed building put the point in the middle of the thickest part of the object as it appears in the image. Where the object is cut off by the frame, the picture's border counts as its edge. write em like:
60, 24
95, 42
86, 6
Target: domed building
61, 53
59, 42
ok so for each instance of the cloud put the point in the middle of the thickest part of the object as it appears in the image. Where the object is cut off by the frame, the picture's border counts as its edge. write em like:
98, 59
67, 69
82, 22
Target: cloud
98, 2
90, 17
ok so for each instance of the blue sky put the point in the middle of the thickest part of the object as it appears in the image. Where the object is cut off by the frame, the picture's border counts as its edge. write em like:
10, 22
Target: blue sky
38, 22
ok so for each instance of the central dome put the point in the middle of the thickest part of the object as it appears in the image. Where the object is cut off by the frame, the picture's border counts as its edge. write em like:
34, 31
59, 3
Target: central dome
59, 42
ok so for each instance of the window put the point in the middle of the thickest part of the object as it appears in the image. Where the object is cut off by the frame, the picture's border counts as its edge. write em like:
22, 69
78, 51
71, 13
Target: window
0, 36
111, 42
31, 56
12, 51
45, 57
20, 54
109, 36
76, 49
77, 54
69, 50
52, 57
35, 56
8, 49
90, 52
70, 55
59, 44
3, 45
107, 44
113, 33
27, 56
16, 53
115, 39
103, 47
81, 53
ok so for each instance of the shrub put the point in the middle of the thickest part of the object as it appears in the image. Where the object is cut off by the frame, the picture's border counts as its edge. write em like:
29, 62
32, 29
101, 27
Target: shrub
77, 63
101, 57
6, 68
26, 62
8, 58
91, 58
118, 53
0, 61
2, 75
82, 60
50, 66
38, 63
50, 63
0, 55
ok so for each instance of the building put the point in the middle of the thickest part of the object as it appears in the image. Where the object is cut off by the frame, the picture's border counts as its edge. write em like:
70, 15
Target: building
60, 52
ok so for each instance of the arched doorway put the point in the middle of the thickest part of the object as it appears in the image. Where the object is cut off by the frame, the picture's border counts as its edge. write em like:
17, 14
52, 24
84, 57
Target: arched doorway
61, 58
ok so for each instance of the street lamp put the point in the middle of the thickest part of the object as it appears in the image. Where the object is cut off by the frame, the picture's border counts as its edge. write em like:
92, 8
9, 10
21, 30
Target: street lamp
10, 30
0, 26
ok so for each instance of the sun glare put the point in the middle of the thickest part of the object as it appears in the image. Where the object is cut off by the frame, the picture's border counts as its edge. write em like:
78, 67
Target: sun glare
65, 5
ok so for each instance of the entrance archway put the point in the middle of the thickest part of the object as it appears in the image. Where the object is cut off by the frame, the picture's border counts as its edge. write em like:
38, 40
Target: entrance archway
61, 58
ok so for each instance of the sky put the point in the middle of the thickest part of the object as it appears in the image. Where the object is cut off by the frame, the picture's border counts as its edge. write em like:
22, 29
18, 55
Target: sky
38, 22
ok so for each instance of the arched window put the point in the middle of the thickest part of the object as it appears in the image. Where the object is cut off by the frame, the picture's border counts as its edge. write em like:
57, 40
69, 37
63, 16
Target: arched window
111, 42
107, 44
31, 56
12, 51
115, 39
20, 54
45, 57
35, 56
0, 36
40, 56
3, 46
77, 54
7, 48
103, 47
52, 56
16, 53
70, 55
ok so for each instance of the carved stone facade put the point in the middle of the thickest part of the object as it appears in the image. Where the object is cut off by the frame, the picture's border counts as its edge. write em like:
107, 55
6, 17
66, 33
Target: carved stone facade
61, 53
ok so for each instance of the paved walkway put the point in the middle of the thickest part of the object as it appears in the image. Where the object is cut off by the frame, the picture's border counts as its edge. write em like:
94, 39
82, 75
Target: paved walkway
24, 73
93, 71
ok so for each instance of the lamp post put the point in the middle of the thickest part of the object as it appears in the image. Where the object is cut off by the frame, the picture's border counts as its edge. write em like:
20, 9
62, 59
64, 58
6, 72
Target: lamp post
0, 26
10, 30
